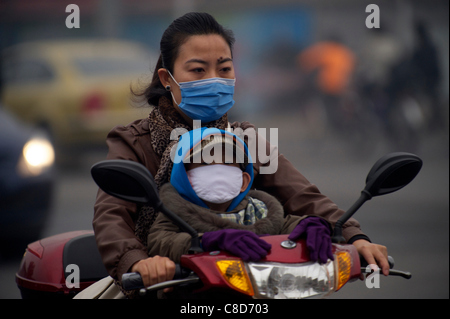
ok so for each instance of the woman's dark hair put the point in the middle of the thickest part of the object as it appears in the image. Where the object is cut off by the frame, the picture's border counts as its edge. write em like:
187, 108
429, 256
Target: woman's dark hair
194, 23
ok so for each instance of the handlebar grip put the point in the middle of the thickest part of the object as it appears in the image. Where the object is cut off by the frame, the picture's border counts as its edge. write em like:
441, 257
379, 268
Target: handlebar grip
133, 280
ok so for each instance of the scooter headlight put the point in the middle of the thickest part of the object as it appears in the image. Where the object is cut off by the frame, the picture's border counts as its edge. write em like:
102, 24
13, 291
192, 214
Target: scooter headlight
294, 281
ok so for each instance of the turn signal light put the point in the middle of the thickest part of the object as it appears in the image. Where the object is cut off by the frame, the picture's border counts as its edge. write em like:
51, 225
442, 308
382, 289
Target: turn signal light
344, 265
233, 271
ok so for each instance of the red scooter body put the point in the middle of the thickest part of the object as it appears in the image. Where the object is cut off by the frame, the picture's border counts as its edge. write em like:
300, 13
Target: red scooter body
42, 272
204, 265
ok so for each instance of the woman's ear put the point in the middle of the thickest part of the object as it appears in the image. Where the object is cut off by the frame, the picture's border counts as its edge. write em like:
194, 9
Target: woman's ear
246, 179
164, 77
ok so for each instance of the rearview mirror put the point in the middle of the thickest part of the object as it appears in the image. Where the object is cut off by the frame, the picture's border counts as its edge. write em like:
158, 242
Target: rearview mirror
133, 182
392, 172
126, 180
389, 174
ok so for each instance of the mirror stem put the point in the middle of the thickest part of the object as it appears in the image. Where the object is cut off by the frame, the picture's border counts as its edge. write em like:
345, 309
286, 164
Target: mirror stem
195, 241
337, 234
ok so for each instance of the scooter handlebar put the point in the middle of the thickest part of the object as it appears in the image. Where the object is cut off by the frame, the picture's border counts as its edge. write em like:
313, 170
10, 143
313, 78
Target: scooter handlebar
133, 280
392, 272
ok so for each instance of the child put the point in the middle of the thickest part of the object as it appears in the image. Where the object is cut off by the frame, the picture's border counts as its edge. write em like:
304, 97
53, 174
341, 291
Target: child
210, 188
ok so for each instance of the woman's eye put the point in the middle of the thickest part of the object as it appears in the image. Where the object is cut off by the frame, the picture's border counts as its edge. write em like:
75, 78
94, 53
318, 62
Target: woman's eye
197, 70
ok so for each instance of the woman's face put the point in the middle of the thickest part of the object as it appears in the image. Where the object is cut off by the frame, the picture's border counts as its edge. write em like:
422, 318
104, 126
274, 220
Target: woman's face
200, 57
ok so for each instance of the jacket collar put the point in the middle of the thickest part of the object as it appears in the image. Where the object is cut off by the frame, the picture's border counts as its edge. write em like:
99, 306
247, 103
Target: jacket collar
206, 220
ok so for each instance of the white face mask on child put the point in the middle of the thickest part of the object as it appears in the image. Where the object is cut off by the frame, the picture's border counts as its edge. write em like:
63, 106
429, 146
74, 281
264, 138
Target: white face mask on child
216, 183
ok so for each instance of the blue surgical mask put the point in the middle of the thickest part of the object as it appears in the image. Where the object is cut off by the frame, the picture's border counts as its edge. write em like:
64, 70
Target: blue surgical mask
206, 100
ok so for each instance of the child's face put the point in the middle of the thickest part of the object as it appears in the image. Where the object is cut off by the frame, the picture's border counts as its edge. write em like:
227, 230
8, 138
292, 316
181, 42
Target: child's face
246, 179
245, 176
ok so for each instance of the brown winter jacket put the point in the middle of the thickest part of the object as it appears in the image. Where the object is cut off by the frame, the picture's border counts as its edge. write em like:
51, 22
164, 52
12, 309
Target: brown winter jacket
114, 219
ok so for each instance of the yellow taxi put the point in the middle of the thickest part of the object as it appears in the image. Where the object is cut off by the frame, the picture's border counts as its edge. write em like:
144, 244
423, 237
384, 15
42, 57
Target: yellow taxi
76, 90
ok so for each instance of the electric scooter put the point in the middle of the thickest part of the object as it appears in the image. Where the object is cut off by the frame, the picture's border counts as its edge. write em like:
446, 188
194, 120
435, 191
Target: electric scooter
285, 273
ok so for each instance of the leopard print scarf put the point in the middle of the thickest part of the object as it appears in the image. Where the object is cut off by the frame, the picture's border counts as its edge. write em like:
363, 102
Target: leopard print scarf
164, 118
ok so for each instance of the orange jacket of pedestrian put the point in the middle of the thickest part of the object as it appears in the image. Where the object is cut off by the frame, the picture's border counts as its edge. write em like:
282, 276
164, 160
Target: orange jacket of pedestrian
334, 62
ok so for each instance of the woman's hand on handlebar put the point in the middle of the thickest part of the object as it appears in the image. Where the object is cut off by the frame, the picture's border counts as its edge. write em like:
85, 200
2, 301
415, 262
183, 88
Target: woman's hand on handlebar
154, 270
374, 254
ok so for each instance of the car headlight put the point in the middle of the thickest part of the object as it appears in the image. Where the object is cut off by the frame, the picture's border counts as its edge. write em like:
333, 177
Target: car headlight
292, 281
38, 156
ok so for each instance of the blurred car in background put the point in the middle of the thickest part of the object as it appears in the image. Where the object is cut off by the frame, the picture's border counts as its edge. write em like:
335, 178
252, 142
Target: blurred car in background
26, 183
76, 90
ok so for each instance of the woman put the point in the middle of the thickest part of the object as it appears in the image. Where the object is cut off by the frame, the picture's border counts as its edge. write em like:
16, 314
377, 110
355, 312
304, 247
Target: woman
194, 48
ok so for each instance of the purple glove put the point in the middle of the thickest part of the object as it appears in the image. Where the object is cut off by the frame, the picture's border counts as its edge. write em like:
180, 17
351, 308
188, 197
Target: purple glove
242, 243
318, 240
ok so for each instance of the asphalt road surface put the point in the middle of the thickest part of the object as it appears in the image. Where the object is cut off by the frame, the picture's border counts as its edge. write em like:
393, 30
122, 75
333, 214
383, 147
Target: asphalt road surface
413, 223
